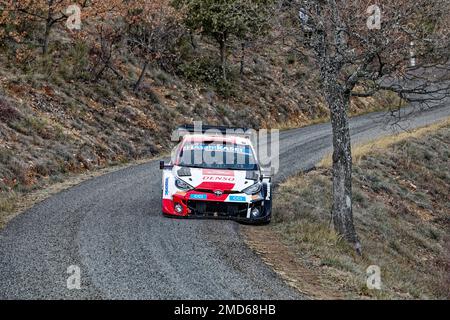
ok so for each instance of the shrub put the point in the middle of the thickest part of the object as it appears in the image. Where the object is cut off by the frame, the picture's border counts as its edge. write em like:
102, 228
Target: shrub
79, 58
209, 71
20, 170
31, 125
291, 59
163, 79
204, 70
7, 112
222, 110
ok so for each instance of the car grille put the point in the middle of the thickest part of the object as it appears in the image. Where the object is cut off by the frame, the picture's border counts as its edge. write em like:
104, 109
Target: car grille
224, 191
206, 208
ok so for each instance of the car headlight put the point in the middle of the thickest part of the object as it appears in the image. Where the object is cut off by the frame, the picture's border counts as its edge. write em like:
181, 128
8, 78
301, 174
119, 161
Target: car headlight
180, 184
254, 189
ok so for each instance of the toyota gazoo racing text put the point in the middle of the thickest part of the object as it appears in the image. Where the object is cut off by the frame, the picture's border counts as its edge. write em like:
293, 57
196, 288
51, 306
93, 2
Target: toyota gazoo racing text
215, 174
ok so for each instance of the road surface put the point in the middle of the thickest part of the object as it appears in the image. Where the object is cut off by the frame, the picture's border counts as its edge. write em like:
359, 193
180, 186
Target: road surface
112, 229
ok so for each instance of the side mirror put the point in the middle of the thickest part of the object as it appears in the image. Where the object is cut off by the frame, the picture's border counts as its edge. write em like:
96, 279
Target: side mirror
268, 173
163, 166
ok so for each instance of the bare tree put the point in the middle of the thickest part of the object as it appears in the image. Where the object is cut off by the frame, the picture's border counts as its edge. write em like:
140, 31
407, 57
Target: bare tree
152, 33
361, 49
47, 13
255, 21
105, 32
109, 40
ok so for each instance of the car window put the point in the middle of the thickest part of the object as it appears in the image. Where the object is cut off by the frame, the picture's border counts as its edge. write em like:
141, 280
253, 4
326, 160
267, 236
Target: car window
217, 155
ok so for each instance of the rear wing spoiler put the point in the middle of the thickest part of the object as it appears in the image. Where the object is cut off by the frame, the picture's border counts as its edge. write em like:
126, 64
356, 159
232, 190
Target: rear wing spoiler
195, 128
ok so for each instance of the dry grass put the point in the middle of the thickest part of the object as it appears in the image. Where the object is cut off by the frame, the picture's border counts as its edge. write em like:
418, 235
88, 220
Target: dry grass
8, 203
401, 204
360, 150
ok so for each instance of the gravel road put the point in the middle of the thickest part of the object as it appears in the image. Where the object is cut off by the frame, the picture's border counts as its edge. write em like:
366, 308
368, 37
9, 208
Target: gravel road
111, 227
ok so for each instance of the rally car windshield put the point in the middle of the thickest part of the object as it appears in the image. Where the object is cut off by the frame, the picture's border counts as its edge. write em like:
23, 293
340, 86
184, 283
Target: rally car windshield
217, 155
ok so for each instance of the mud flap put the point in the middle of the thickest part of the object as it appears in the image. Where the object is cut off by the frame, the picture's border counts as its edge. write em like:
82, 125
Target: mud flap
267, 193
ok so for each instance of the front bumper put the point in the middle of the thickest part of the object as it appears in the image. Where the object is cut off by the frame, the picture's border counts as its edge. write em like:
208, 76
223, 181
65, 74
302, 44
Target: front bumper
259, 220
195, 205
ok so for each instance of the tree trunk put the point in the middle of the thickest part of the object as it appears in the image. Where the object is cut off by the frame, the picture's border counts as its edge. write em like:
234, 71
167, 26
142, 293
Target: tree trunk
223, 56
192, 39
48, 25
242, 58
99, 74
342, 166
141, 77
46, 38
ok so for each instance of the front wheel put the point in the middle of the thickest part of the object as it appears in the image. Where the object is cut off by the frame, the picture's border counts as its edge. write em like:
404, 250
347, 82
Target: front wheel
266, 216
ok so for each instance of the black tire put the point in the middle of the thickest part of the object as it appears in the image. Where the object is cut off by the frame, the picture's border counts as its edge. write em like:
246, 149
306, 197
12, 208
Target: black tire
267, 209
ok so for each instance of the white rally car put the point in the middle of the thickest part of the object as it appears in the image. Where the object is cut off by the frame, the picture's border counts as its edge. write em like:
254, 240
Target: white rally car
215, 174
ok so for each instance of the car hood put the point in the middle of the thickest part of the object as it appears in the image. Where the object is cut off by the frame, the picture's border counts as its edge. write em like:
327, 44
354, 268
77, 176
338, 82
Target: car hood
215, 179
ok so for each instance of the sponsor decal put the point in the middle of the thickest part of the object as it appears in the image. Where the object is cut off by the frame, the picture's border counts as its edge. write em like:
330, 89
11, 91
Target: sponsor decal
166, 186
218, 148
218, 175
218, 178
268, 192
237, 198
213, 172
198, 196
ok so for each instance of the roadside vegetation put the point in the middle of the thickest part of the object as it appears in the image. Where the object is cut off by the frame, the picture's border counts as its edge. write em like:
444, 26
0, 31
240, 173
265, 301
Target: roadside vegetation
401, 209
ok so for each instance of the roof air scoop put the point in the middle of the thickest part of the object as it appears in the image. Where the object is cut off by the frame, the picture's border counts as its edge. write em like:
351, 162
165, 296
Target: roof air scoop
184, 172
